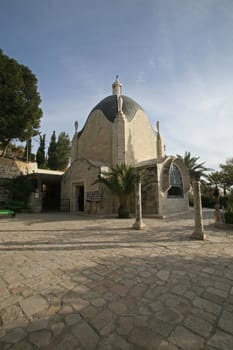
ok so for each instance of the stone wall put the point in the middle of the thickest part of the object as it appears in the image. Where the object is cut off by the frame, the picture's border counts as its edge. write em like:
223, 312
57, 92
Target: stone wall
10, 168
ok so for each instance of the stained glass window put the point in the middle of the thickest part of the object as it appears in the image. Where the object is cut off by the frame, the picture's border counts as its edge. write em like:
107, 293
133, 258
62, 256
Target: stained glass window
176, 183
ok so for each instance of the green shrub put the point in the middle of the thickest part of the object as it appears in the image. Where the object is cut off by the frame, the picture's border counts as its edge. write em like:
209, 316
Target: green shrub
228, 215
20, 189
207, 201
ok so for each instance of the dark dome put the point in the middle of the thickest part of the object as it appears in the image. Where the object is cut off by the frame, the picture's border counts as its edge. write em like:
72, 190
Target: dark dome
109, 108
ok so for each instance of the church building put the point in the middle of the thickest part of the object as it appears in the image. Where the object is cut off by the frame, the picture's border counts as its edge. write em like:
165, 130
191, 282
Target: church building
116, 131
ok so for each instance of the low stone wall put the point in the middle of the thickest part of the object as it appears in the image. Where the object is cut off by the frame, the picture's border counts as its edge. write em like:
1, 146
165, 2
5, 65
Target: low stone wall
10, 168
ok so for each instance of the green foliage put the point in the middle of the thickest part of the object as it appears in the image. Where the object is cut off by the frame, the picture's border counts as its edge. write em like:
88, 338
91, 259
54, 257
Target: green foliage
20, 188
52, 152
63, 151
208, 201
59, 151
197, 170
20, 113
228, 215
120, 180
40, 155
227, 172
28, 155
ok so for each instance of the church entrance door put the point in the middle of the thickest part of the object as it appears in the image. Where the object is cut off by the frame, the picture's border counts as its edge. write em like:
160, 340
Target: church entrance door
80, 197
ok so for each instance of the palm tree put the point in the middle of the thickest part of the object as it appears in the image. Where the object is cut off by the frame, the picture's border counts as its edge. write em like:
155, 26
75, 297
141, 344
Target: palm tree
120, 180
197, 173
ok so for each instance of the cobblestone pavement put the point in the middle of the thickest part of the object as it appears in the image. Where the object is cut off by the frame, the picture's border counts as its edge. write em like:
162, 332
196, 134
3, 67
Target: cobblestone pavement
70, 283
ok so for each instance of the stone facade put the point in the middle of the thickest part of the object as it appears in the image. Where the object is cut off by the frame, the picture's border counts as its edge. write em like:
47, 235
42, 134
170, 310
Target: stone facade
117, 131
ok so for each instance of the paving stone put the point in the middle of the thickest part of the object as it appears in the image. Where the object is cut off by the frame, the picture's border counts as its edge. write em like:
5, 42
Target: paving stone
4, 293
98, 302
125, 324
37, 325
150, 290
64, 341
160, 327
180, 289
33, 304
13, 315
164, 345
115, 342
139, 290
226, 322
204, 315
155, 292
5, 347
185, 339
108, 329
163, 275
2, 332
118, 307
213, 298
207, 305
102, 319
219, 292
145, 338
120, 290
65, 310
221, 340
169, 315
40, 338
57, 328
22, 345
209, 270
75, 301
89, 311
198, 326
156, 305
72, 319
9, 301
86, 335
14, 336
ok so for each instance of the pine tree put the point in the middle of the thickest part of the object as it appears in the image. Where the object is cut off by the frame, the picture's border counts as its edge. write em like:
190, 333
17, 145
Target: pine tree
63, 151
52, 152
59, 151
40, 155
20, 113
28, 156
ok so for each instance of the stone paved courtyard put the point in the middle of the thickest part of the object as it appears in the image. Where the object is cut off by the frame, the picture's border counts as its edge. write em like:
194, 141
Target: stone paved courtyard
70, 283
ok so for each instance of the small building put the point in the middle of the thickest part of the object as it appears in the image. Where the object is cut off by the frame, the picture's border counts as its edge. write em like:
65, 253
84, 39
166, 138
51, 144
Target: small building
116, 131
46, 184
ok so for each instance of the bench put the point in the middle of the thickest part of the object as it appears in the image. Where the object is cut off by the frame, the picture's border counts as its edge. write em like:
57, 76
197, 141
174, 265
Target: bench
7, 212
14, 205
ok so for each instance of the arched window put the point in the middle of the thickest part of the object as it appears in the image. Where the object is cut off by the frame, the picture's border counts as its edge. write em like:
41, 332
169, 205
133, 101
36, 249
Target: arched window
176, 183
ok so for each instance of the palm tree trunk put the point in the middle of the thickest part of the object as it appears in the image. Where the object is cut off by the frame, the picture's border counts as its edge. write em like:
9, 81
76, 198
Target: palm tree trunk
198, 232
138, 225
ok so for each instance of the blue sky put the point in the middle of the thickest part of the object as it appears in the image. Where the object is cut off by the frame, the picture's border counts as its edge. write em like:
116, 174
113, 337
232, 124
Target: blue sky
174, 57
